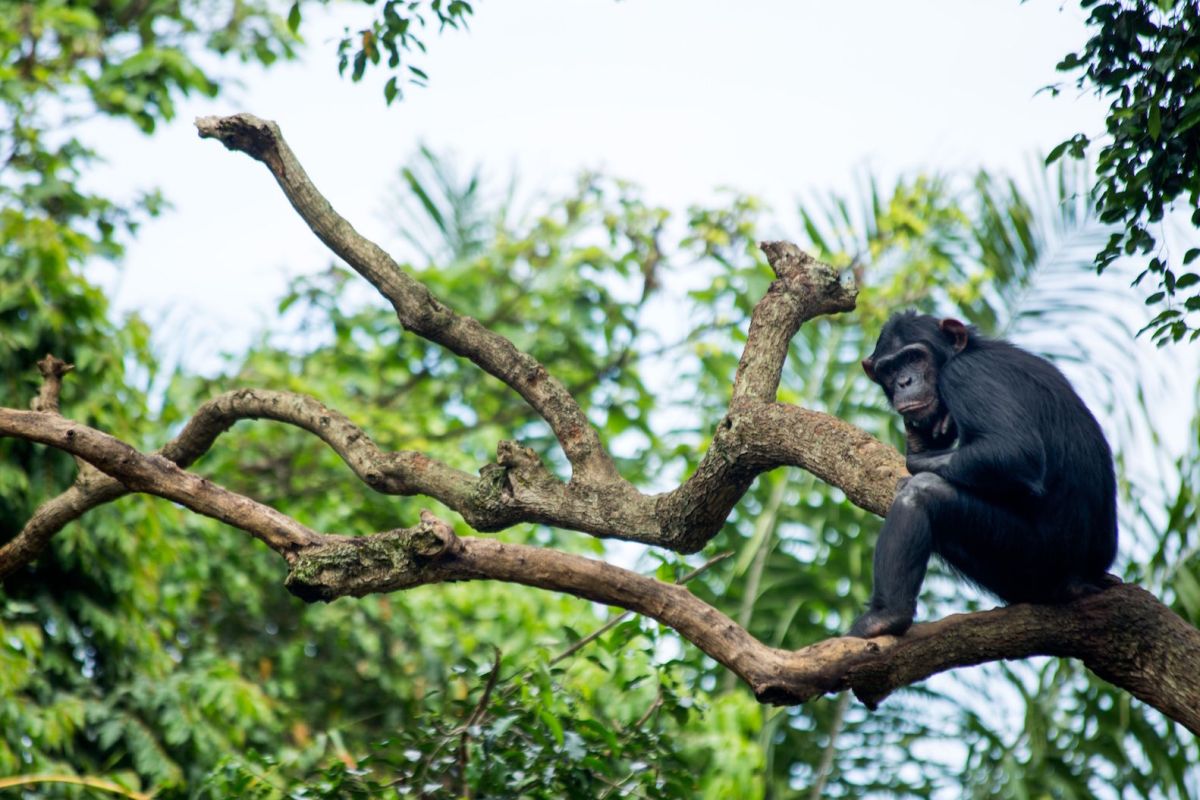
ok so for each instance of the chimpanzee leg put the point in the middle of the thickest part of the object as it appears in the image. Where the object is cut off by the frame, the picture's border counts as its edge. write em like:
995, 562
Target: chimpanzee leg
1009, 554
902, 555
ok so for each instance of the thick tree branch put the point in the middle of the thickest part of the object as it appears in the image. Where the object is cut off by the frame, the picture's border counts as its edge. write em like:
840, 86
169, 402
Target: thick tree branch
416, 307
1123, 634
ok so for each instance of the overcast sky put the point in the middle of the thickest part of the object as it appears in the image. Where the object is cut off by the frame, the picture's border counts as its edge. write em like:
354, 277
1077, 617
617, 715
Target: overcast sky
680, 96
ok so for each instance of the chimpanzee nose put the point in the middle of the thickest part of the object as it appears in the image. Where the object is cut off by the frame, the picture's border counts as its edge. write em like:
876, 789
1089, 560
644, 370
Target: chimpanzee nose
905, 382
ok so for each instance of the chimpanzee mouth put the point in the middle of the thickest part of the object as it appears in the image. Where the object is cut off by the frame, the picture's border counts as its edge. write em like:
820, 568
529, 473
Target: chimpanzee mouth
913, 407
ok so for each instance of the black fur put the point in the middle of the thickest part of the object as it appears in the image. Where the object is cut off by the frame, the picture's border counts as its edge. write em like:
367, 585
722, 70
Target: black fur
1024, 505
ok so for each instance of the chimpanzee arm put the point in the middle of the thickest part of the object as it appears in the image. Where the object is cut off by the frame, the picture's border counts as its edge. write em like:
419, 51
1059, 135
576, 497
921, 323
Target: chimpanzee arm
995, 406
989, 464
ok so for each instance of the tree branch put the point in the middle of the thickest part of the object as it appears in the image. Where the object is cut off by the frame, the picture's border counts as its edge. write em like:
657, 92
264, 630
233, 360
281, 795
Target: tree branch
157, 475
416, 307
805, 288
598, 501
401, 473
1123, 634
52, 369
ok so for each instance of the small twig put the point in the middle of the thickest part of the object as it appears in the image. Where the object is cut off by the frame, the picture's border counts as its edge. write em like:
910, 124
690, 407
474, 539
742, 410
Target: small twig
475, 717
612, 787
658, 701
835, 728
74, 780
624, 615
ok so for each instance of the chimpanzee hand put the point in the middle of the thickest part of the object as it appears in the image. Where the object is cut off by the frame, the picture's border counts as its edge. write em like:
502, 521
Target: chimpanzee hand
938, 435
928, 462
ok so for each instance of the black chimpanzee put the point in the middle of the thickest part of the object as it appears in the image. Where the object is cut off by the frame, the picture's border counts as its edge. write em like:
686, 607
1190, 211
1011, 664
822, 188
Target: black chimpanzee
1024, 505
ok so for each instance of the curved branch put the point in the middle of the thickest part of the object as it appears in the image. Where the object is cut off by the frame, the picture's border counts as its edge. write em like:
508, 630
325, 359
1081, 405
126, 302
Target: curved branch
416, 307
805, 288
597, 500
402, 473
1123, 634
155, 474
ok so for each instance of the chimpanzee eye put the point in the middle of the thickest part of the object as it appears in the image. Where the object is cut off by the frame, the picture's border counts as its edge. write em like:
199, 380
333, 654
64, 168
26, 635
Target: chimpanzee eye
909, 356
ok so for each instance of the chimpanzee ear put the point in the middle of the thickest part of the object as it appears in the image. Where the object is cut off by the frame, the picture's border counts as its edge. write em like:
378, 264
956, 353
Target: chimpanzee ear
955, 331
868, 365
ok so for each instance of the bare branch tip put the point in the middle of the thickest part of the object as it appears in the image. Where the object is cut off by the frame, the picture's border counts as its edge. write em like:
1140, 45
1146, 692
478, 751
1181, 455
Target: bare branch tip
52, 369
243, 132
790, 263
53, 366
441, 530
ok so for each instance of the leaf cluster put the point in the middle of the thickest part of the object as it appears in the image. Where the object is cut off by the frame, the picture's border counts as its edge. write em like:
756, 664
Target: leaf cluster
1145, 56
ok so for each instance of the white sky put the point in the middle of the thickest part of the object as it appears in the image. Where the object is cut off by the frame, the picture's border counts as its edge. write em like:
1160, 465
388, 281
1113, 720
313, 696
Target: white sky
775, 98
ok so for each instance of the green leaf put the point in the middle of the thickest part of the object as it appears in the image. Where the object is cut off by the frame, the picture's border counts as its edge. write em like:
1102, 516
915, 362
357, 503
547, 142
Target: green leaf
1187, 279
293, 18
553, 723
1056, 153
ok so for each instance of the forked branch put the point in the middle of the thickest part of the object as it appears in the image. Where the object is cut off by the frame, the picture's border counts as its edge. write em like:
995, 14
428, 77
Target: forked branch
416, 307
597, 500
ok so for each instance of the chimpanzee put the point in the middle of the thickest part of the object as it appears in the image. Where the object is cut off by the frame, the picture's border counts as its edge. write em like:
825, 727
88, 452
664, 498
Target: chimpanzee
1024, 505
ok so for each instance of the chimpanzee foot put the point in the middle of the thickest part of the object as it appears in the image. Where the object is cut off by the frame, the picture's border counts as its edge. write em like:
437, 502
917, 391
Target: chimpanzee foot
880, 622
1080, 588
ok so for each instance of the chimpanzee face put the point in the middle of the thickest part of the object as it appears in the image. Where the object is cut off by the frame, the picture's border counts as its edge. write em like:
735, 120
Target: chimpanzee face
909, 379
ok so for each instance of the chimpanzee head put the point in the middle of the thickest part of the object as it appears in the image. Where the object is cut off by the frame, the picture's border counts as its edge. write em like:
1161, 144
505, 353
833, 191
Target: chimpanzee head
911, 351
